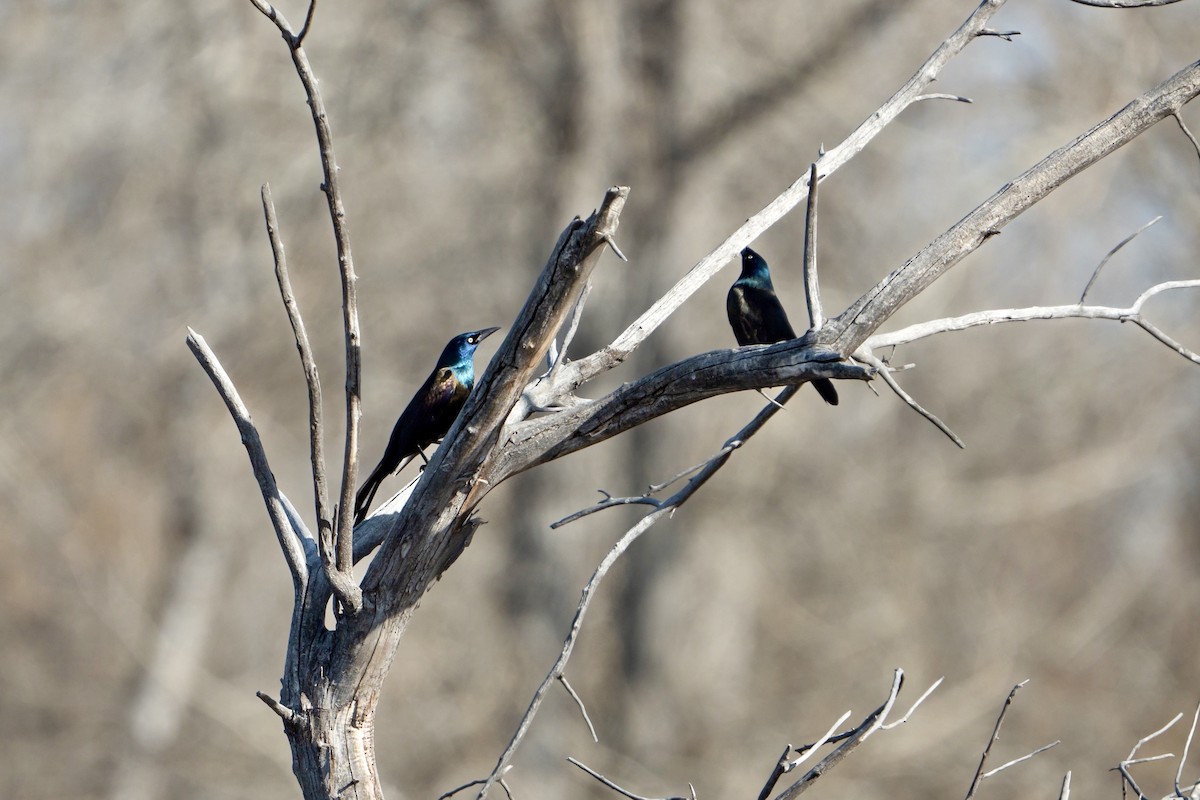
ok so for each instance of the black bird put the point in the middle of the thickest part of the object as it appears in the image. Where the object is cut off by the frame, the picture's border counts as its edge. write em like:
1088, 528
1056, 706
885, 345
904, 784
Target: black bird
757, 317
429, 414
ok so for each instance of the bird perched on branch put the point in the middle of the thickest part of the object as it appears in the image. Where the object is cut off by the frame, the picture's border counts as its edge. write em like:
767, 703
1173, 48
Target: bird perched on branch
429, 414
757, 317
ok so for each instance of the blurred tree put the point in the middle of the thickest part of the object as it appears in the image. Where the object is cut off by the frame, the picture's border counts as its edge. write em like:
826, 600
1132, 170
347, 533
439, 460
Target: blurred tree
137, 137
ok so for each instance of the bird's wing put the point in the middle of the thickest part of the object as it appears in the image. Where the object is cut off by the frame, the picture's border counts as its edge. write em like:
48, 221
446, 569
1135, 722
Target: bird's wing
756, 316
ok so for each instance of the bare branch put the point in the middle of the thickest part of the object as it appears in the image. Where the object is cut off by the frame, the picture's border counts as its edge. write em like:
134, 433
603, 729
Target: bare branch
666, 508
608, 502
308, 18
781, 766
344, 529
812, 290
1132, 314
289, 540
1113, 252
312, 379
1025, 757
536, 441
1005, 35
866, 314
1152, 736
1124, 3
885, 373
914, 706
564, 655
469, 784
1191, 137
572, 325
1186, 747
311, 552
585, 369
873, 722
807, 751
579, 702
995, 735
286, 714
614, 786
958, 98
271, 13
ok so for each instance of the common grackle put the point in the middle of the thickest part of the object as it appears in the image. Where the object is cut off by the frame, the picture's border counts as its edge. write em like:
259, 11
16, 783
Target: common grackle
757, 317
429, 414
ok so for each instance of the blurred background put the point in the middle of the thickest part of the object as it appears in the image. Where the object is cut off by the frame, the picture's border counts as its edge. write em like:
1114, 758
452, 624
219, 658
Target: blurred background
143, 599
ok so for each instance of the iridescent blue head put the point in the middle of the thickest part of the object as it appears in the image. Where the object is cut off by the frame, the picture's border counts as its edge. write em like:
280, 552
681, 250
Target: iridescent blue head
459, 354
754, 270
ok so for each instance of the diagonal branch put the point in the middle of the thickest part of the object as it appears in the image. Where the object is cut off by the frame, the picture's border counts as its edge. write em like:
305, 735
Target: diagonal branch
1113, 252
668, 389
585, 369
885, 373
861, 320
873, 722
1124, 3
1132, 314
664, 508
616, 788
289, 540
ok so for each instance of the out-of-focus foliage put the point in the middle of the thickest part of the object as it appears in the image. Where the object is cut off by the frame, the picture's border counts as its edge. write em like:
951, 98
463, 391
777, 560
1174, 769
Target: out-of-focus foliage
1061, 546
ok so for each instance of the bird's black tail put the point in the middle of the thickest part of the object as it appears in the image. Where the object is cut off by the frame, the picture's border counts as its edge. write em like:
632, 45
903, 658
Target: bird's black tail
366, 493
362, 501
825, 387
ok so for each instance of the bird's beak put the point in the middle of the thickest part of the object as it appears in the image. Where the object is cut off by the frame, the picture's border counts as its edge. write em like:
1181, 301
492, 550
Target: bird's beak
479, 336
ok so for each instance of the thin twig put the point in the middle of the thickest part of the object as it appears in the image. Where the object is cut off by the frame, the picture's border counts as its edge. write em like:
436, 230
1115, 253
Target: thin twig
286, 714
587, 368
1186, 747
579, 702
1124, 3
884, 372
1148, 759
608, 502
1152, 736
312, 379
469, 784
1025, 757
341, 578
1183, 127
572, 326
1128, 778
289, 540
812, 290
1005, 35
614, 786
873, 722
1111, 253
958, 98
308, 18
995, 735
776, 773
807, 752
1132, 314
667, 508
913, 707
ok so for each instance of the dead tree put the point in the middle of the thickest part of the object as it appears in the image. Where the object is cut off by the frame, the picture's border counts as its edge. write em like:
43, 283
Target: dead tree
524, 413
